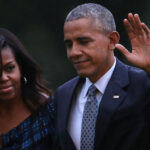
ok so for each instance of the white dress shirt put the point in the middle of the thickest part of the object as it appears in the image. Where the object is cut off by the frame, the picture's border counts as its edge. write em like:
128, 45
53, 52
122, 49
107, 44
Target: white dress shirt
76, 114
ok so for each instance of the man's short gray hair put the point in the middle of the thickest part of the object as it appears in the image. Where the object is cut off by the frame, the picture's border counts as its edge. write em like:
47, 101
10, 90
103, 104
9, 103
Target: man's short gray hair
94, 11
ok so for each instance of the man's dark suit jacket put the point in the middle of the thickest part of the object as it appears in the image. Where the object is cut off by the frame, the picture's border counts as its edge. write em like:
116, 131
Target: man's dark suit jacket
121, 122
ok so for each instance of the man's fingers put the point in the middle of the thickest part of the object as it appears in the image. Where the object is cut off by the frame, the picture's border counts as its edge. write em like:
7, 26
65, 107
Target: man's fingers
146, 29
133, 26
138, 27
129, 28
132, 20
123, 50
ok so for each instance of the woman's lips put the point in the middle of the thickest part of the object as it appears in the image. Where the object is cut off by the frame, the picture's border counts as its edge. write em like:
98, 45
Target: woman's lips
4, 90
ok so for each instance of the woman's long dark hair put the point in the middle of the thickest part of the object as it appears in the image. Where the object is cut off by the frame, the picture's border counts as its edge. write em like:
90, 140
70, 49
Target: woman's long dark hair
34, 91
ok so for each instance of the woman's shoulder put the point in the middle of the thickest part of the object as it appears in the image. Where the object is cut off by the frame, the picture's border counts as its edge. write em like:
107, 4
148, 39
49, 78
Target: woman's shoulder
44, 119
47, 110
42, 125
46, 105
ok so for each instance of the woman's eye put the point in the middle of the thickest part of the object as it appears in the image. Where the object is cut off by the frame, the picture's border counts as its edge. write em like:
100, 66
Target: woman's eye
10, 68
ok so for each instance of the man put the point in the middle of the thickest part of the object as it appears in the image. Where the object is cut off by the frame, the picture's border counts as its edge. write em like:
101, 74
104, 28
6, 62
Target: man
114, 115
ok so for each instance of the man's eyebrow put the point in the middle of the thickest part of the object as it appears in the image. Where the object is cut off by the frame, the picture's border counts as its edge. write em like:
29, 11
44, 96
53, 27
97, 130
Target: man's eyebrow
66, 40
78, 38
83, 38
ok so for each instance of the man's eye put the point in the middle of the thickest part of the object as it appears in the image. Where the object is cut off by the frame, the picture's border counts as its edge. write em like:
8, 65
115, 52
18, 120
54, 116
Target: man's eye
10, 68
84, 42
68, 44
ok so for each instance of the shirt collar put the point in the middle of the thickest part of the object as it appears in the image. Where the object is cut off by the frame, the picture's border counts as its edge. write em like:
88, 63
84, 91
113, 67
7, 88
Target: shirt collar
101, 83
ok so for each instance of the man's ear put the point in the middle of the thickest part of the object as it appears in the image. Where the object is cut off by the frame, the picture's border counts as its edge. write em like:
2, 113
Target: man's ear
114, 39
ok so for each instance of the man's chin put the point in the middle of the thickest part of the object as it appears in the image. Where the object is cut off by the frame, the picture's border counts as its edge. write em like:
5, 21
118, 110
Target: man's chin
82, 75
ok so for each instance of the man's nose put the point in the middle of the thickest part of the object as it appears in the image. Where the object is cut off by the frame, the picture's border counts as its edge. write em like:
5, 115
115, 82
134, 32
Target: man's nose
75, 51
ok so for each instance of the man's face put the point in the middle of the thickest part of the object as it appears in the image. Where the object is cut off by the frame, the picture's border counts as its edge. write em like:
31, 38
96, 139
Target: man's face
88, 48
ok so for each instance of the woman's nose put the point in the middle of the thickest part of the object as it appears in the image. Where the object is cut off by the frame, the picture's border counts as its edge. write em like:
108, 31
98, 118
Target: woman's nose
4, 76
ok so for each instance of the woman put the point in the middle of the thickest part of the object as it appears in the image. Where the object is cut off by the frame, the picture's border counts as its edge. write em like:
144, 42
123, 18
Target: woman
26, 115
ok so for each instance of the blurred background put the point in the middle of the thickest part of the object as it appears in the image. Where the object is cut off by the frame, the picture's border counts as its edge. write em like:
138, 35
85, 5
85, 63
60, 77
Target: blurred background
39, 26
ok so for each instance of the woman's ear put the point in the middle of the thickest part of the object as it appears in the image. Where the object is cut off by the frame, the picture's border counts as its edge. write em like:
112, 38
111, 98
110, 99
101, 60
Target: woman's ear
114, 39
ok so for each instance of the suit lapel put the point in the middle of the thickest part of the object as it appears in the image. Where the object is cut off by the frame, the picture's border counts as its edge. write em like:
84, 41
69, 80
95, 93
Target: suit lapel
68, 97
113, 96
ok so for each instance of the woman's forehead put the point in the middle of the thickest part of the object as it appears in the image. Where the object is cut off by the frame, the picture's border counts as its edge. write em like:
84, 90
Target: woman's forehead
7, 55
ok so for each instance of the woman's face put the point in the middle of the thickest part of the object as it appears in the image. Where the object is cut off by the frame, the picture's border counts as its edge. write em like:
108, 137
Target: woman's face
10, 81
